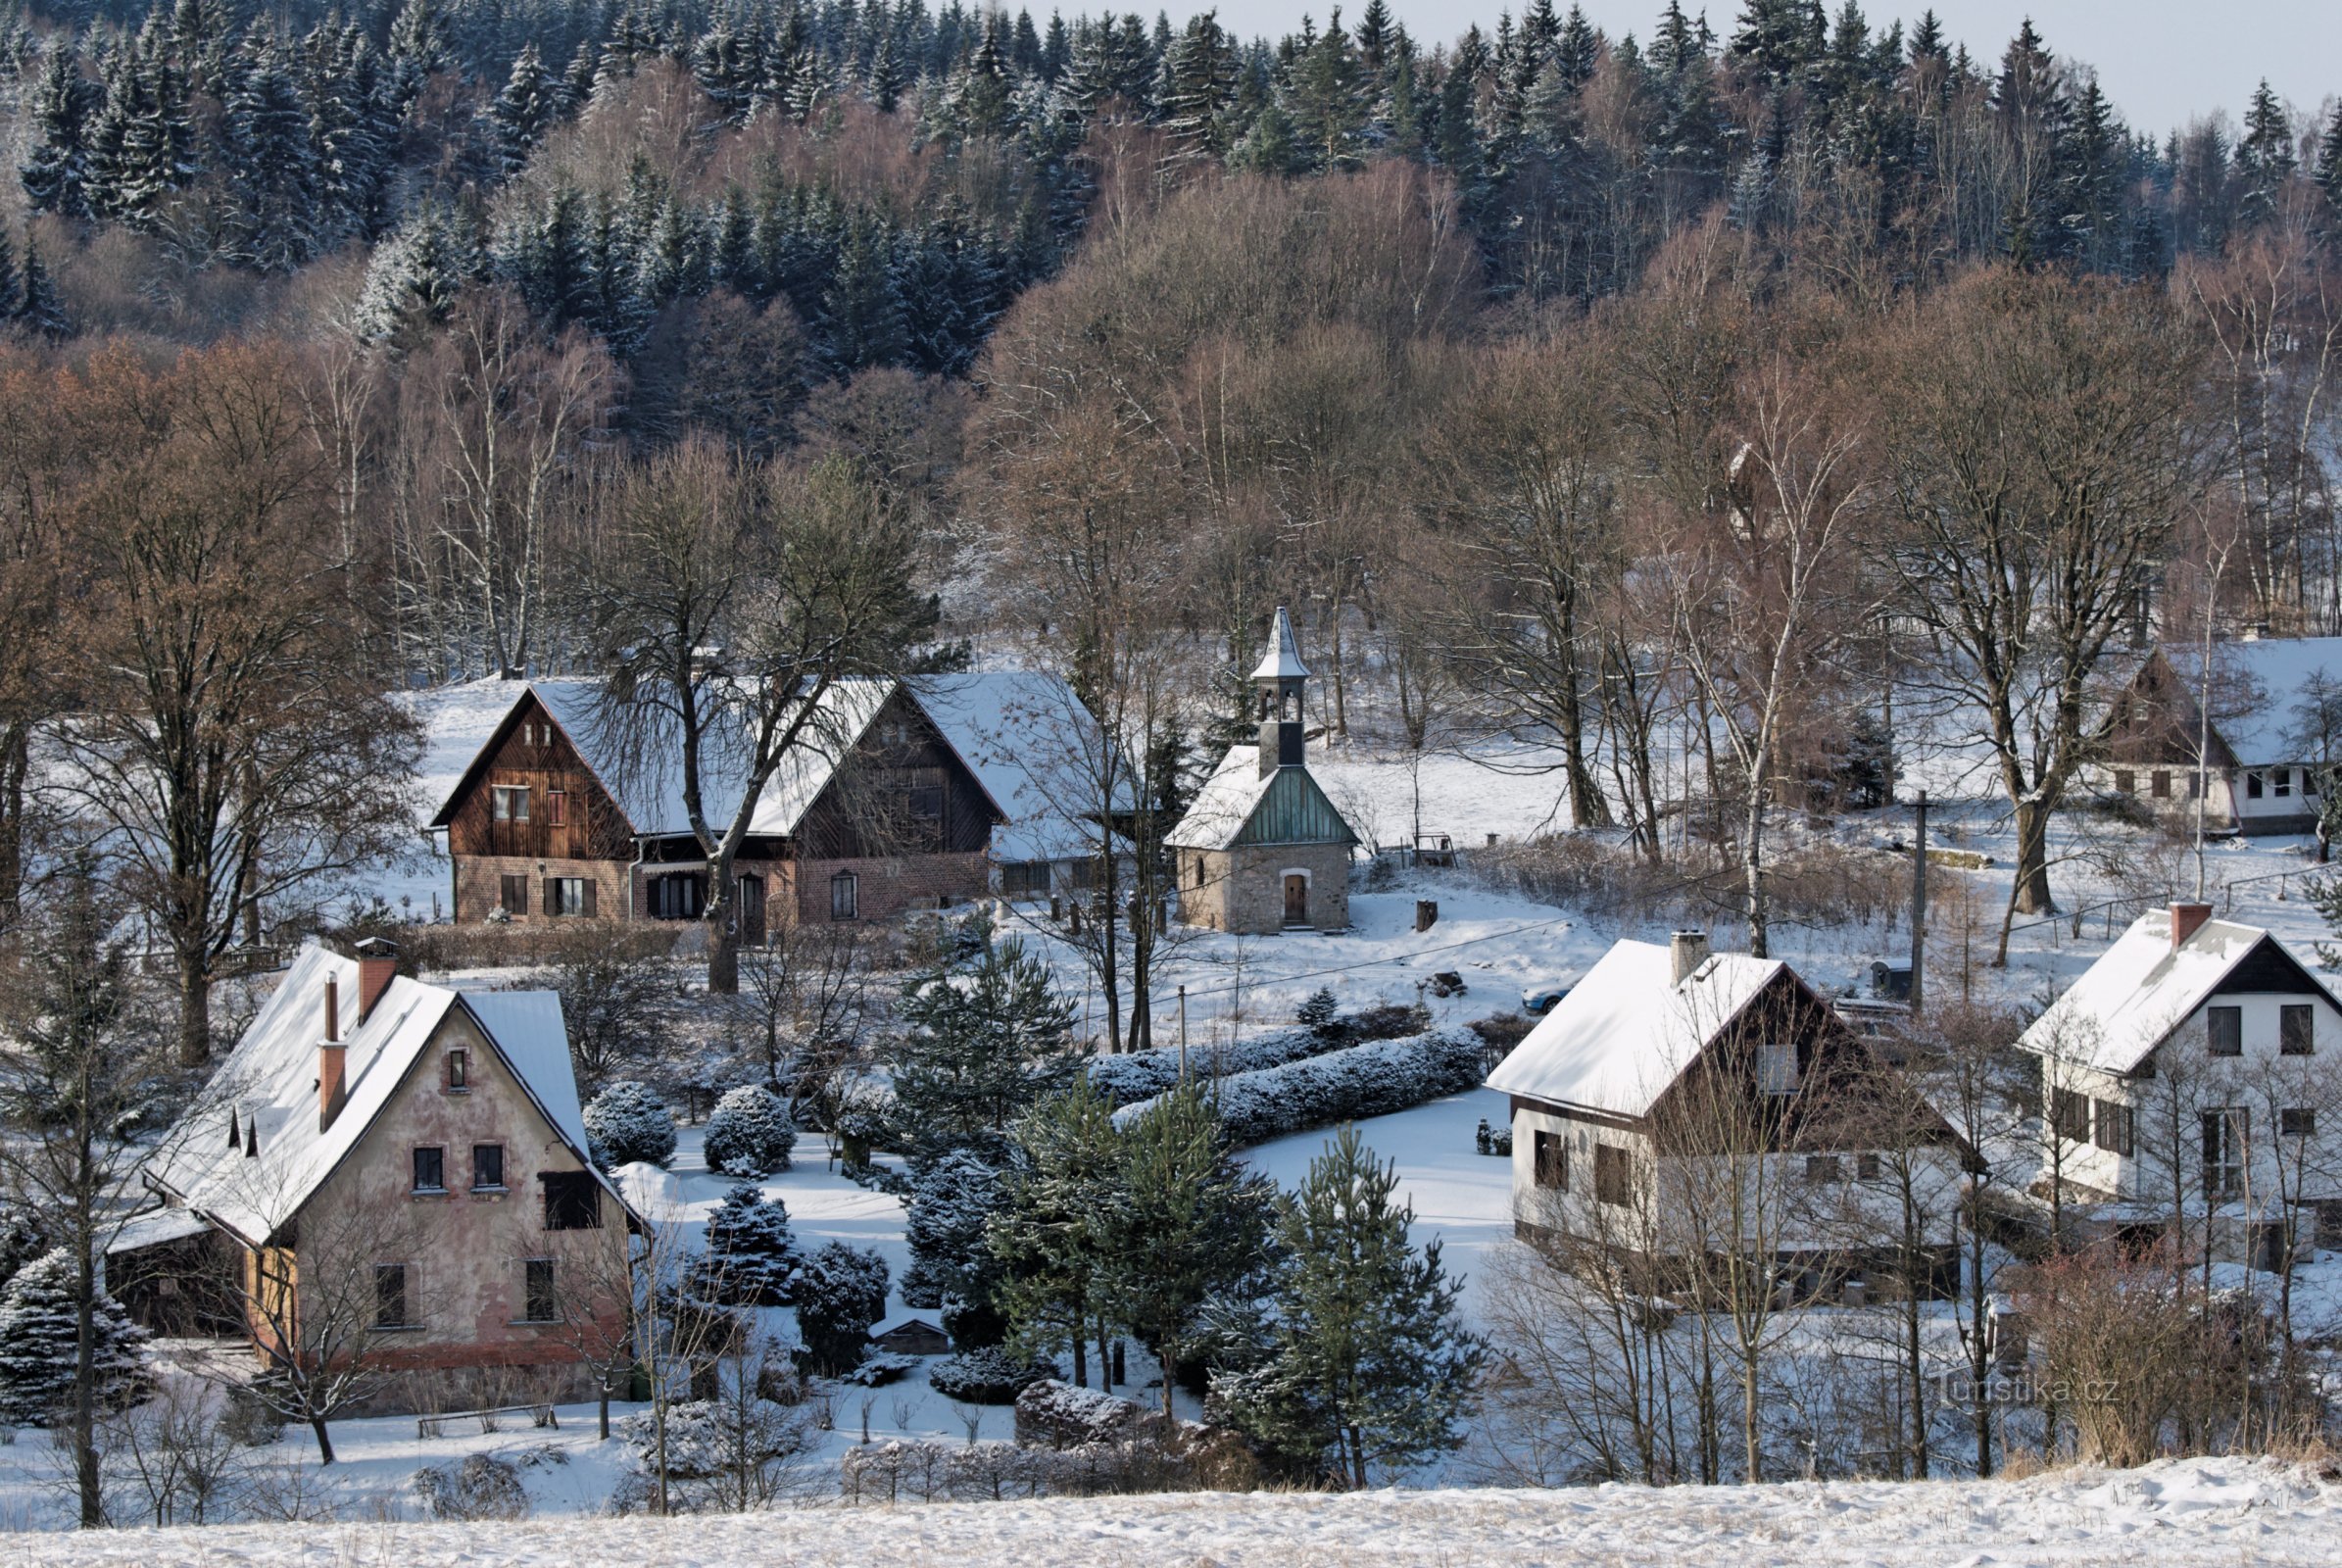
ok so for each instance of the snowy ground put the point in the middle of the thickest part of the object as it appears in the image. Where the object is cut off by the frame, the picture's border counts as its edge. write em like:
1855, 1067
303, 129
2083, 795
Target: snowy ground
2178, 1514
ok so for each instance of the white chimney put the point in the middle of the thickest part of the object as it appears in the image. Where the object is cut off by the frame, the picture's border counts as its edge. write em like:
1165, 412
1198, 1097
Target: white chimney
1687, 951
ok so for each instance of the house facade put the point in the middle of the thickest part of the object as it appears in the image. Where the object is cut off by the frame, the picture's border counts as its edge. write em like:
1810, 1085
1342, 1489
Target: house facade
396, 1173
2274, 724
562, 816
1680, 1103
2186, 1079
1262, 849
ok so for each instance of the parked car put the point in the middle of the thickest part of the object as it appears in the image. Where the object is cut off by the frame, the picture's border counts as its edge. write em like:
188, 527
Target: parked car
1538, 1001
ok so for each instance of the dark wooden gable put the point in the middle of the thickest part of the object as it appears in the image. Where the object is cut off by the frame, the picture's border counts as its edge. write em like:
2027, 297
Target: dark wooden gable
530, 754
2269, 969
2154, 719
1844, 1099
903, 790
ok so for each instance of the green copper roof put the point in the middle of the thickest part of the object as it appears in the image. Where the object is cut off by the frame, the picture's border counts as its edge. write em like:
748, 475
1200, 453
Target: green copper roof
1293, 809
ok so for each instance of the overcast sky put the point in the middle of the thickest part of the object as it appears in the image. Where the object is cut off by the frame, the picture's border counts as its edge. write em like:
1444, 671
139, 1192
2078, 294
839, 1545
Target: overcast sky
2162, 62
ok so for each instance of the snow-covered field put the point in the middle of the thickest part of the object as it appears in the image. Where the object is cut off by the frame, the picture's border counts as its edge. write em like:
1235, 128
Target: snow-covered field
2178, 1514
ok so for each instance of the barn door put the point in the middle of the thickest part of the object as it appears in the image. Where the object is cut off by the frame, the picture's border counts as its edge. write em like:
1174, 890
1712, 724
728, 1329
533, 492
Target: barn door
1296, 899
752, 912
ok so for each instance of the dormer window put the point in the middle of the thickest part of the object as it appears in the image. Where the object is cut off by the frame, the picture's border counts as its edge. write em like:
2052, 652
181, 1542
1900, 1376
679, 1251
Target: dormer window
459, 1072
1776, 1067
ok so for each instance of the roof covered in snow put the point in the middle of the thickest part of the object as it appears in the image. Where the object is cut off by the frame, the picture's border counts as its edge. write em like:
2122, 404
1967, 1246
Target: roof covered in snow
268, 1084
1627, 1031
1038, 752
1283, 661
2259, 687
2140, 990
1236, 806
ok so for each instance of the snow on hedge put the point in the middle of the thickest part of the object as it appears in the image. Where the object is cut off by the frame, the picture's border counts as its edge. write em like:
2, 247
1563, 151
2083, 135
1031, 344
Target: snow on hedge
1352, 1084
749, 1133
1144, 1074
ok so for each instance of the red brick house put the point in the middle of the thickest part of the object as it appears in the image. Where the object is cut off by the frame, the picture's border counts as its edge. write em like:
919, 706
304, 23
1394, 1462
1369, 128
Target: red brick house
560, 816
397, 1171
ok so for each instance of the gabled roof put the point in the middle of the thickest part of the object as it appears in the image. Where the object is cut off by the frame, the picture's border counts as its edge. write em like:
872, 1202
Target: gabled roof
1237, 807
1036, 749
1628, 1031
2259, 685
2141, 989
269, 1084
648, 791
1283, 661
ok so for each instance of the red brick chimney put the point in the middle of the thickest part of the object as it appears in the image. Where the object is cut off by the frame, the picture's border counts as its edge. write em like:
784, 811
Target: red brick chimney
2187, 920
377, 966
332, 1059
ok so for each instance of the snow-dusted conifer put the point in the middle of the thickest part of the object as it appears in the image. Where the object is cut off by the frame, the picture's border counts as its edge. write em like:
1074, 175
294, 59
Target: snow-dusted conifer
841, 1292
524, 108
628, 1123
39, 1340
750, 1256
748, 1132
414, 276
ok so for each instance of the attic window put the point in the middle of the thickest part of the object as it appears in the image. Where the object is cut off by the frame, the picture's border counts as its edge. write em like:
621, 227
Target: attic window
573, 1201
1776, 1067
508, 803
2224, 1031
459, 1072
2296, 1030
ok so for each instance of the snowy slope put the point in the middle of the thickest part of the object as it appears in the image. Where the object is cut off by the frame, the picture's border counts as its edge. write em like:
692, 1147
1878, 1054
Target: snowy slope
2178, 1514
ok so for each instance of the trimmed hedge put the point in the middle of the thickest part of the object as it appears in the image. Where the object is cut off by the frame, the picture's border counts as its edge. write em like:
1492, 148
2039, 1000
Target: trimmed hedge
986, 1376
1374, 1078
1144, 1074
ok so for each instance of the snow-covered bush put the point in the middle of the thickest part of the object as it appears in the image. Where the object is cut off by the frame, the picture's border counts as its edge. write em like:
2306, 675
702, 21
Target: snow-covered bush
709, 1438
748, 1132
951, 1199
750, 1256
988, 1376
1374, 1078
880, 1367
38, 1344
478, 1487
841, 1292
628, 1123
1144, 1074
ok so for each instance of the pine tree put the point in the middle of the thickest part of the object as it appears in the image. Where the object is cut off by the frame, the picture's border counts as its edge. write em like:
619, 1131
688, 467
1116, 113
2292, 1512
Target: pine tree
732, 259
577, 83
979, 105
861, 309
39, 1343
59, 114
751, 1257
270, 172
418, 38
1200, 80
748, 1132
1328, 101
1053, 1235
524, 109
946, 1220
414, 276
841, 1290
887, 76
12, 301
985, 1038
40, 310
2330, 171
1363, 1363
1193, 1225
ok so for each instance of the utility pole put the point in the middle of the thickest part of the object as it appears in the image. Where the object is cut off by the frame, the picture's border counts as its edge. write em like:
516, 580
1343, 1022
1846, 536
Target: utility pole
1919, 906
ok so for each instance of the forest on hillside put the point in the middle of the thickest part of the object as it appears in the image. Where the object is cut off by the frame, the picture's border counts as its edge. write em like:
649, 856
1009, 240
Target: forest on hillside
1702, 408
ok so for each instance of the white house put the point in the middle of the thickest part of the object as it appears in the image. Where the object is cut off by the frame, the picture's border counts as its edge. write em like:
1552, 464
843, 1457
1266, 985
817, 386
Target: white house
2190, 1072
2275, 721
1674, 1090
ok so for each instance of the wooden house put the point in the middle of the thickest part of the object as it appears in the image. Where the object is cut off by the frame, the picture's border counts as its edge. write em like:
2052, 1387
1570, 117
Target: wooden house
2273, 726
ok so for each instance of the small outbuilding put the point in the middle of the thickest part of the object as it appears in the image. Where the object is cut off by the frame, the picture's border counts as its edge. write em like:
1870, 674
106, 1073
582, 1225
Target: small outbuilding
911, 1332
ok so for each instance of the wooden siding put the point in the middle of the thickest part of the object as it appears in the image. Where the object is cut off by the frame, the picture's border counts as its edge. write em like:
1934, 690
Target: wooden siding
1293, 809
903, 791
529, 751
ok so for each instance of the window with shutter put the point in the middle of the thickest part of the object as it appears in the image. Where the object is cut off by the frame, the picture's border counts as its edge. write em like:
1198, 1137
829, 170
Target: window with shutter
512, 894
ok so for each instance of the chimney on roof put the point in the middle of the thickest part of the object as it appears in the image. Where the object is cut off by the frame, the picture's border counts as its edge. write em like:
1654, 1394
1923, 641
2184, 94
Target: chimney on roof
2187, 920
332, 1060
1686, 950
377, 966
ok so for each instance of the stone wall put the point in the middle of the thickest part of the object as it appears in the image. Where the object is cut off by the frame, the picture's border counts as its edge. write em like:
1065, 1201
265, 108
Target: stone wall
480, 885
1244, 890
889, 885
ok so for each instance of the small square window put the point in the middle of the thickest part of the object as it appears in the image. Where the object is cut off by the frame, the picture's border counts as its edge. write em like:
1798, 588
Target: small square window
390, 1297
1865, 1167
540, 1302
430, 1171
2296, 1029
2125, 782
2223, 1030
1822, 1169
459, 1072
2298, 1121
2251, 786
487, 1167
2158, 784
1550, 1155
1776, 1067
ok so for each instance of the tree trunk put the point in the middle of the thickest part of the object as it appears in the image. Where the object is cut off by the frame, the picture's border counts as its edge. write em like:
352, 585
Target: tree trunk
195, 1006
316, 1423
1750, 1412
601, 1413
1753, 861
2032, 895
85, 1406
723, 927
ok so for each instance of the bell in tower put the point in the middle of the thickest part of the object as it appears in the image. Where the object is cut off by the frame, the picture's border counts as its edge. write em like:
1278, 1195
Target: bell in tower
1279, 681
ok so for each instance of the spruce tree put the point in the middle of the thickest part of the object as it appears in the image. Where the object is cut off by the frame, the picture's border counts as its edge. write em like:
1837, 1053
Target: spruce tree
2330, 171
985, 1037
39, 309
40, 1341
1053, 1234
270, 172
12, 300
1200, 80
59, 122
2266, 157
946, 1220
1328, 101
1364, 1365
524, 109
413, 278
861, 309
841, 1290
751, 1257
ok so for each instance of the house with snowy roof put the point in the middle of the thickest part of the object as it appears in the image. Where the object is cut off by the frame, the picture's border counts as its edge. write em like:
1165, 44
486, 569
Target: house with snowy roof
2189, 1067
395, 1169
898, 796
1682, 1101
1261, 849
2267, 725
